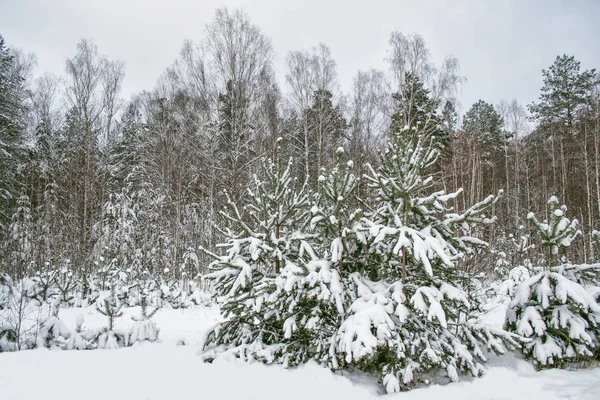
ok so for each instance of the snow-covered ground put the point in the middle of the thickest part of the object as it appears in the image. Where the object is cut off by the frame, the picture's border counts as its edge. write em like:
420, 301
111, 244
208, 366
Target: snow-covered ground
166, 370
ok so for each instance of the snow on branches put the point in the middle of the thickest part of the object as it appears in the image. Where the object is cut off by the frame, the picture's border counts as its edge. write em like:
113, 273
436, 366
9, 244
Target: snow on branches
559, 316
556, 309
557, 232
377, 290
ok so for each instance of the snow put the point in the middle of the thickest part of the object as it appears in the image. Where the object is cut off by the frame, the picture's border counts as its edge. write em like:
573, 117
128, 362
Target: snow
553, 311
164, 370
336, 249
564, 288
175, 324
516, 380
159, 372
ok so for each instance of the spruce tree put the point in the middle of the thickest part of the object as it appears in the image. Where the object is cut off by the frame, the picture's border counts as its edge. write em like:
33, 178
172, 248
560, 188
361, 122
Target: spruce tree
116, 234
12, 140
323, 131
596, 241
21, 237
235, 136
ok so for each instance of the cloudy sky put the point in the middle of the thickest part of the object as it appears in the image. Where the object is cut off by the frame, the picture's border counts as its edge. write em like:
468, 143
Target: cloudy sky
502, 45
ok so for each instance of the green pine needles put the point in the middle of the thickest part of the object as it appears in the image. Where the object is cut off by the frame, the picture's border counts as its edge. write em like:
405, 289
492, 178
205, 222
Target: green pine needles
370, 284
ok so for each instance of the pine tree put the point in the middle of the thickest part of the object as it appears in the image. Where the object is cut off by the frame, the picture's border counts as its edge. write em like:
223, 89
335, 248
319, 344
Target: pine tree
111, 307
556, 234
565, 91
416, 109
262, 237
79, 339
335, 217
554, 309
560, 112
414, 319
483, 120
423, 299
324, 131
144, 328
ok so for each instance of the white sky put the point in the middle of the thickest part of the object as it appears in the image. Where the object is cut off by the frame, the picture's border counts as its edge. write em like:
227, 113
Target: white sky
502, 45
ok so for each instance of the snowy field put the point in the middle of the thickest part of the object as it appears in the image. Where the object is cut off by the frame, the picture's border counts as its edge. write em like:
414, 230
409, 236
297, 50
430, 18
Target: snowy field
170, 370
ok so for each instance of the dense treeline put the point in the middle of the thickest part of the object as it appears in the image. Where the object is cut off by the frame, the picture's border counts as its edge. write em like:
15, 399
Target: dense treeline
90, 180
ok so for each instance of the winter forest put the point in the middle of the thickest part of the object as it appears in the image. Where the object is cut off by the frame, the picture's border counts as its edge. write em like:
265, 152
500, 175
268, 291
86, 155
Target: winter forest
376, 232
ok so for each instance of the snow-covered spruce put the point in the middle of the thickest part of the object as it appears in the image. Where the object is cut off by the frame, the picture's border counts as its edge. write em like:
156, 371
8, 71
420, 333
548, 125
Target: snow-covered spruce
335, 221
53, 333
290, 320
417, 243
557, 309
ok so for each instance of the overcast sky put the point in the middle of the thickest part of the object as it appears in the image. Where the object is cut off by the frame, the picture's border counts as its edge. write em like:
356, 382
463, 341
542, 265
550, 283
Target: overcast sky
502, 45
